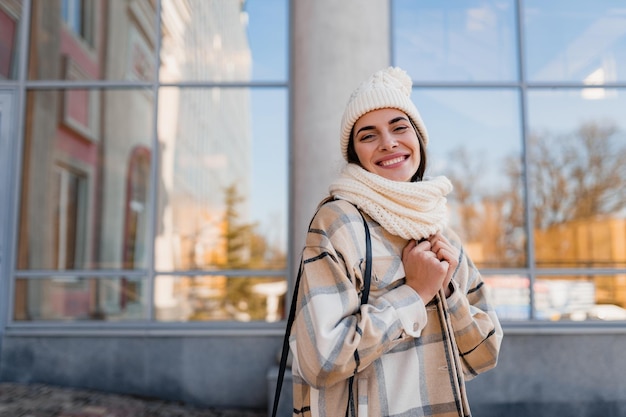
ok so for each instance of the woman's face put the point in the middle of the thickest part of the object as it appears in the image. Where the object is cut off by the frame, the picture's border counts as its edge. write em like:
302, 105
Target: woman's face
387, 144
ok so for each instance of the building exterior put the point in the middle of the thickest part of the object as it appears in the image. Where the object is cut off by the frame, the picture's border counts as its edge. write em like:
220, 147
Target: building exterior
160, 161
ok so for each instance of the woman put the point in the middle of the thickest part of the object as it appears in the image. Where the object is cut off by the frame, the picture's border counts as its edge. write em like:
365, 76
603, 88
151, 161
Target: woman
427, 325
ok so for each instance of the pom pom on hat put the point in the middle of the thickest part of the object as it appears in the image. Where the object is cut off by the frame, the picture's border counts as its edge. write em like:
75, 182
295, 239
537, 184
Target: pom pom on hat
388, 88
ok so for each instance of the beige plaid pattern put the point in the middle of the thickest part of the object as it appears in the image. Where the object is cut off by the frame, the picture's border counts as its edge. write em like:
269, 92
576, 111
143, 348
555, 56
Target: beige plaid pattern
410, 359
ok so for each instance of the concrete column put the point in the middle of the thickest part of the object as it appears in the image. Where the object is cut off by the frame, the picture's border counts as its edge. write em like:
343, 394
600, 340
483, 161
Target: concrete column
336, 44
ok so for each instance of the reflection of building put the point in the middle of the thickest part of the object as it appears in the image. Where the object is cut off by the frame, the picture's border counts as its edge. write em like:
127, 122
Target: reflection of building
85, 155
205, 136
9, 17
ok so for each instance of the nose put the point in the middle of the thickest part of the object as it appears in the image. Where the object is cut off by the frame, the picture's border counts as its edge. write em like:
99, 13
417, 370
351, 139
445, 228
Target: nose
387, 142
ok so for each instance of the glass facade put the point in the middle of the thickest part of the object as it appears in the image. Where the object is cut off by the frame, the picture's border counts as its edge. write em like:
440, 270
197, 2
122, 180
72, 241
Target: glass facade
155, 134
152, 154
524, 103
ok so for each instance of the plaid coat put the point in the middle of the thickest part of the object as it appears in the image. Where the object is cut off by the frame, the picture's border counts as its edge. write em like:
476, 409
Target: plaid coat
410, 359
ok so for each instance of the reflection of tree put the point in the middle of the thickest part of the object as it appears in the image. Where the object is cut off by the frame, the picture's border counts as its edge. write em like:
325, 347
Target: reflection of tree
490, 222
577, 176
245, 249
237, 234
226, 241
465, 177
578, 186
573, 178
578, 183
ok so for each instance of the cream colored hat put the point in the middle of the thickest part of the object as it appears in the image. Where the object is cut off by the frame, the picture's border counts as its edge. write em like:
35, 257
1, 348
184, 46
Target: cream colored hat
388, 88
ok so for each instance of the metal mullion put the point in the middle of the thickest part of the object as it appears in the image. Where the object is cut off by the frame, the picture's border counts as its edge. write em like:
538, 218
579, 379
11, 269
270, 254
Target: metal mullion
578, 85
18, 148
503, 271
42, 274
528, 200
537, 327
232, 84
227, 273
83, 84
145, 328
291, 256
392, 57
579, 271
154, 171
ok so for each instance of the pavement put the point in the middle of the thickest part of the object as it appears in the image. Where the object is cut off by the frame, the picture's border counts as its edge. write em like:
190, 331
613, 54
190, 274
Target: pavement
40, 400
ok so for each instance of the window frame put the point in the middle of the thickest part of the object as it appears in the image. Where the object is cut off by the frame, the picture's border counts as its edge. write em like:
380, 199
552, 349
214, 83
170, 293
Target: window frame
24, 86
524, 86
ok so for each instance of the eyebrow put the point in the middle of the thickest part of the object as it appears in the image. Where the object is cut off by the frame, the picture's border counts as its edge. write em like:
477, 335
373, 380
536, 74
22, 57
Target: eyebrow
392, 121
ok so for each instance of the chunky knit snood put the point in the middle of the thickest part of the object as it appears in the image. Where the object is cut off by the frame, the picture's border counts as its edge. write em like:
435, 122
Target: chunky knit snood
412, 210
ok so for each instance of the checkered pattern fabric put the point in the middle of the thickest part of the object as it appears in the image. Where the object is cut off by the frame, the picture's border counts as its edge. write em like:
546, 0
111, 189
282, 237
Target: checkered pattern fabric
410, 358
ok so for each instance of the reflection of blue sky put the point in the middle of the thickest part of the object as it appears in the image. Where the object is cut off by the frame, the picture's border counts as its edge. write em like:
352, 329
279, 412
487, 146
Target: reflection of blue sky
468, 40
565, 110
474, 41
267, 34
269, 161
575, 41
458, 41
483, 121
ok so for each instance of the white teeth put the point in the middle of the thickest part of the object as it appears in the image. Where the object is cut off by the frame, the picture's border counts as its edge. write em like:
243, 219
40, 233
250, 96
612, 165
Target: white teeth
392, 161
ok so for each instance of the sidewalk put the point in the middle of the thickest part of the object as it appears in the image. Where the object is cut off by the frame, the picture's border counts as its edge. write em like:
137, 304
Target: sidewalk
38, 400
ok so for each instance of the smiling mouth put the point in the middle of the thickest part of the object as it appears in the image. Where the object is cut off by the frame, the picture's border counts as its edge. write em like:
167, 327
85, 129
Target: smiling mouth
392, 161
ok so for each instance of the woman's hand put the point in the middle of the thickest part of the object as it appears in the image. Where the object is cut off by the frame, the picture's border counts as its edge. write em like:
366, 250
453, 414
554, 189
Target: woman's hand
425, 272
445, 251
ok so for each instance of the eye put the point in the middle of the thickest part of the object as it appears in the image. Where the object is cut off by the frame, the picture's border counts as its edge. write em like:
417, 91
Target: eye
400, 128
367, 138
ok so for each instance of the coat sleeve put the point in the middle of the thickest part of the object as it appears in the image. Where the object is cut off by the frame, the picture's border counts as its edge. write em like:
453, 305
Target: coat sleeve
333, 334
477, 330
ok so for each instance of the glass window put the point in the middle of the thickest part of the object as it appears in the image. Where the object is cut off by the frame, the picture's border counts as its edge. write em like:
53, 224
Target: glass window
224, 174
224, 41
475, 140
218, 297
79, 17
69, 201
451, 40
579, 298
91, 173
575, 41
574, 156
86, 40
577, 174
510, 295
80, 298
85, 179
10, 14
577, 154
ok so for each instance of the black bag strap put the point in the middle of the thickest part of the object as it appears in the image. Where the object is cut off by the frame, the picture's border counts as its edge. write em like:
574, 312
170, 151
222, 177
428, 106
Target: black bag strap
365, 292
367, 279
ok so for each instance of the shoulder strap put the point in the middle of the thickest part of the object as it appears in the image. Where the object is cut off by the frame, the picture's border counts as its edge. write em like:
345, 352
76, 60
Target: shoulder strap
367, 279
365, 292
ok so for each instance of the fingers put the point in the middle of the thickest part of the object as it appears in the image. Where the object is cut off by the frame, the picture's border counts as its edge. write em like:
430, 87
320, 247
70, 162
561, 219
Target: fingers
444, 254
429, 264
408, 248
442, 247
413, 244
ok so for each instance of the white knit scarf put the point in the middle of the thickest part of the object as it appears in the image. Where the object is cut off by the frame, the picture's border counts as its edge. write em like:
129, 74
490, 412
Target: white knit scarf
412, 210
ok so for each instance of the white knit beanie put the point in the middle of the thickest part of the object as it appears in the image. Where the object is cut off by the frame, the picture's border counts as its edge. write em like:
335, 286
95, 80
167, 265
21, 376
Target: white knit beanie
388, 88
